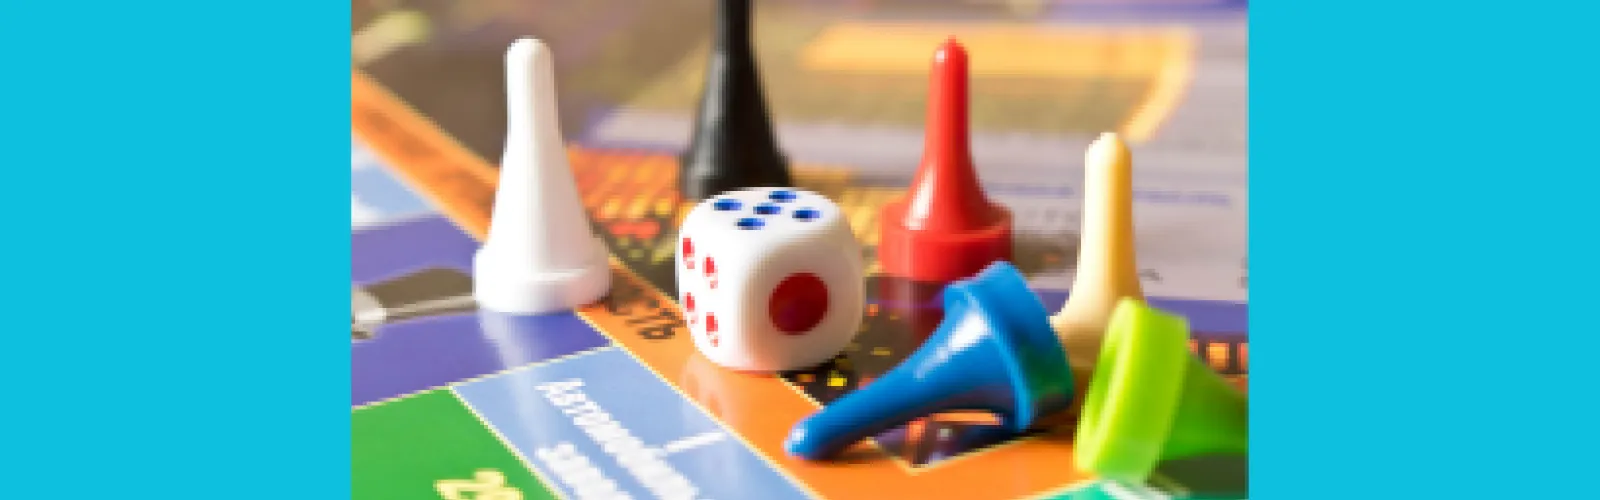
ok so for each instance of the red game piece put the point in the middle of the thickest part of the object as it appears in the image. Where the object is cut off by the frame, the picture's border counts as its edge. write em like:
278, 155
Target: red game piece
945, 228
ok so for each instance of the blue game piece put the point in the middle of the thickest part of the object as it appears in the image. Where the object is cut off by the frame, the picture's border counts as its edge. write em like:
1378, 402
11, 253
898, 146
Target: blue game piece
807, 214
995, 351
767, 209
782, 196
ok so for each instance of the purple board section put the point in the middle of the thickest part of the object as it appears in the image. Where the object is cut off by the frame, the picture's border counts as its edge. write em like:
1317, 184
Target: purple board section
430, 241
414, 352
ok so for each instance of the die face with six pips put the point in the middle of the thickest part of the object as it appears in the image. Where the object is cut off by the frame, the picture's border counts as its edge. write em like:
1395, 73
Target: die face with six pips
769, 279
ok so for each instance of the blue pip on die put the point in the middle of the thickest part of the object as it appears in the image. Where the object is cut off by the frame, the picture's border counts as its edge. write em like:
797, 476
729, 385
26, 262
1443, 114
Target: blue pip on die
769, 279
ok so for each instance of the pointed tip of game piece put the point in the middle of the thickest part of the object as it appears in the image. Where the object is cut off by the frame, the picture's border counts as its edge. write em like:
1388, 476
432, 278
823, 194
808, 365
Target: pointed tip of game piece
948, 86
951, 52
530, 92
526, 59
733, 23
1108, 149
527, 48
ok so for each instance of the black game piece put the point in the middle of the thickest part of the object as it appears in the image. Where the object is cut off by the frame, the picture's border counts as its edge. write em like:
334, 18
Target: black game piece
732, 145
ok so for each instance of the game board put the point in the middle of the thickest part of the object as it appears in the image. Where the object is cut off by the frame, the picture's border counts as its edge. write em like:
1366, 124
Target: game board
450, 402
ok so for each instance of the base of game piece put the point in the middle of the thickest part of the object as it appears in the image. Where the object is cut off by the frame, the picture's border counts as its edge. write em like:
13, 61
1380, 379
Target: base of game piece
499, 290
935, 257
994, 352
1151, 400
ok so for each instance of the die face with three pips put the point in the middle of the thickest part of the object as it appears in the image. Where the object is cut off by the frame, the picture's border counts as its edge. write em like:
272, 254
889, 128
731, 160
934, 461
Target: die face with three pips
769, 279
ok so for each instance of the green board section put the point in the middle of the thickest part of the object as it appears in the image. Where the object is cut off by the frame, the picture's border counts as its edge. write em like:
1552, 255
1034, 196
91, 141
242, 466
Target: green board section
411, 448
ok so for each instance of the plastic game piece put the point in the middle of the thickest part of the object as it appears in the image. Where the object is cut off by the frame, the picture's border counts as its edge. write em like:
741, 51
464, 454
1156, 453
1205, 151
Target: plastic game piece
994, 351
945, 228
769, 279
1106, 270
1152, 400
541, 254
733, 145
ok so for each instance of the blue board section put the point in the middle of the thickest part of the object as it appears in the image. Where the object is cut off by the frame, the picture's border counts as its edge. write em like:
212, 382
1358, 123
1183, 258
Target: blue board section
411, 352
376, 196
600, 421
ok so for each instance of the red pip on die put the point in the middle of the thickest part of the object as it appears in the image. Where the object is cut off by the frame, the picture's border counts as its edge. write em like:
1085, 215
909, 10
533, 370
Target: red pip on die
769, 279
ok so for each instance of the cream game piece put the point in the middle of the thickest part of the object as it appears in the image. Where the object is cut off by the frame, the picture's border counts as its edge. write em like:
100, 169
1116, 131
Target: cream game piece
1107, 269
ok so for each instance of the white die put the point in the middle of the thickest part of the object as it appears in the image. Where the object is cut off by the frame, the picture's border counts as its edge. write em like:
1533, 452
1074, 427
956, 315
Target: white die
769, 279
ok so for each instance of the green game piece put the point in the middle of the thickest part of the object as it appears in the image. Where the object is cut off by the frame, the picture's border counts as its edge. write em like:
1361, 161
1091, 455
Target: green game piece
1151, 400
405, 449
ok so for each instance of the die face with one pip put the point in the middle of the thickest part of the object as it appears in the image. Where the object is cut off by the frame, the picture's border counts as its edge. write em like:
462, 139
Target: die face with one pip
769, 279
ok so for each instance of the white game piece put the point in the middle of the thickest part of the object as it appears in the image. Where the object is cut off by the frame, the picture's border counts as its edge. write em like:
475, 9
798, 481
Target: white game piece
770, 279
541, 254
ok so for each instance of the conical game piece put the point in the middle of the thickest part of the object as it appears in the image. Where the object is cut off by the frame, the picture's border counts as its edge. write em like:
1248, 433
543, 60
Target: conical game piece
994, 351
1106, 271
1152, 400
945, 228
733, 145
541, 254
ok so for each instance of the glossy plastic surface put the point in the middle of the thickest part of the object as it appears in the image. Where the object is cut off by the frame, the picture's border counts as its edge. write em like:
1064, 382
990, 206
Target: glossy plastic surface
733, 145
945, 228
541, 255
1151, 400
1107, 271
993, 352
